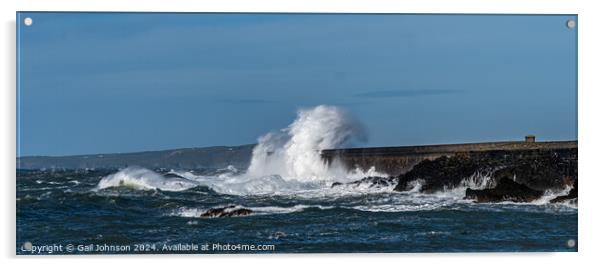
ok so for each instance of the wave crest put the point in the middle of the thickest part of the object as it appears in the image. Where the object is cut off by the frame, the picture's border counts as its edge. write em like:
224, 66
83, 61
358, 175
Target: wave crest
293, 153
144, 179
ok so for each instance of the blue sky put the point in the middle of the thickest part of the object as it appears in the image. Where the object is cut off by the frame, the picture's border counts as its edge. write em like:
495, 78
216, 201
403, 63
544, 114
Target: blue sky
119, 82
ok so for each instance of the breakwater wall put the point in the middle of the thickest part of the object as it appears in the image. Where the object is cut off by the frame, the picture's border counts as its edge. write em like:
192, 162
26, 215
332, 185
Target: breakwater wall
398, 160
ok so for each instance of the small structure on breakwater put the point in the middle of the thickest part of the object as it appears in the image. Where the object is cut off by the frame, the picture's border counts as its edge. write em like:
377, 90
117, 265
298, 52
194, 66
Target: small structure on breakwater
530, 138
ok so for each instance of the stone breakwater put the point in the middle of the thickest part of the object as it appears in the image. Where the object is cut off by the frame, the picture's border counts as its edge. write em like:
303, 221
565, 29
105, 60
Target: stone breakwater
516, 171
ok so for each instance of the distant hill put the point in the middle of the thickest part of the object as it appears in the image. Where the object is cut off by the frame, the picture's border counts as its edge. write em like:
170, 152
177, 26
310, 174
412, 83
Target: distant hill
185, 158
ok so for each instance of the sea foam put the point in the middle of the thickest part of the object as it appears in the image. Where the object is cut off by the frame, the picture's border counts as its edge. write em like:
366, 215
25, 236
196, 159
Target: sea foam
144, 179
288, 162
294, 152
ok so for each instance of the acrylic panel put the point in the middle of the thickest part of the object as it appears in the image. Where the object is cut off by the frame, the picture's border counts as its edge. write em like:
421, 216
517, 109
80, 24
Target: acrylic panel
157, 133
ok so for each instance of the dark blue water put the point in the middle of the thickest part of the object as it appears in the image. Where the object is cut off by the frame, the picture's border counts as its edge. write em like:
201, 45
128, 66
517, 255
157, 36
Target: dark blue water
66, 208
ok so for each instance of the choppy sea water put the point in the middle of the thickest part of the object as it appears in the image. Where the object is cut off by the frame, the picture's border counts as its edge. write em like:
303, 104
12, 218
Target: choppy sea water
148, 212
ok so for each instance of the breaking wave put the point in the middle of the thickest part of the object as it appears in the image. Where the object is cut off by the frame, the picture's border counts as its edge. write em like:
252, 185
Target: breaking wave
283, 162
293, 153
144, 179
288, 162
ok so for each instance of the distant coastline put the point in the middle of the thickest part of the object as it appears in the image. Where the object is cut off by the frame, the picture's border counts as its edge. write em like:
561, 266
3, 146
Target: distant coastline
184, 158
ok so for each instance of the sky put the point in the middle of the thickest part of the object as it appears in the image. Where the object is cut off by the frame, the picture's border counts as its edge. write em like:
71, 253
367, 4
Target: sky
123, 82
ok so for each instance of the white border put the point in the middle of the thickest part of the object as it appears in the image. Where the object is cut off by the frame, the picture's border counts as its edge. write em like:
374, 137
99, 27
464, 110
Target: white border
589, 127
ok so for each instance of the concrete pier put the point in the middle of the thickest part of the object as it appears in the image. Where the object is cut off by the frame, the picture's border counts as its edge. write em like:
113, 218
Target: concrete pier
398, 160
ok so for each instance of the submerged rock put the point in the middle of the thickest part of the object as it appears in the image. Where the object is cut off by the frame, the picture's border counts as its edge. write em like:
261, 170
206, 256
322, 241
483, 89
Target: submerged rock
571, 195
371, 181
229, 211
505, 190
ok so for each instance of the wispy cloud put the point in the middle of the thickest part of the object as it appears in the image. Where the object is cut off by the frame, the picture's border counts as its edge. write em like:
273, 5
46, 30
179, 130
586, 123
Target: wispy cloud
246, 101
406, 93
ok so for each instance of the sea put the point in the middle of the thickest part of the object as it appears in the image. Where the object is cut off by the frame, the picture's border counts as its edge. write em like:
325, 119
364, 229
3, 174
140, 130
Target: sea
294, 206
70, 208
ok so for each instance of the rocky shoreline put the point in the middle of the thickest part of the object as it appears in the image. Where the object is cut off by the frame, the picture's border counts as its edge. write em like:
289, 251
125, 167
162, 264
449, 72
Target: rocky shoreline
517, 176
491, 176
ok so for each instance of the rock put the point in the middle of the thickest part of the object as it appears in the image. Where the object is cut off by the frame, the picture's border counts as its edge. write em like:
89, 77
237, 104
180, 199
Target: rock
572, 195
538, 169
443, 172
372, 181
375, 181
505, 190
229, 211
540, 174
